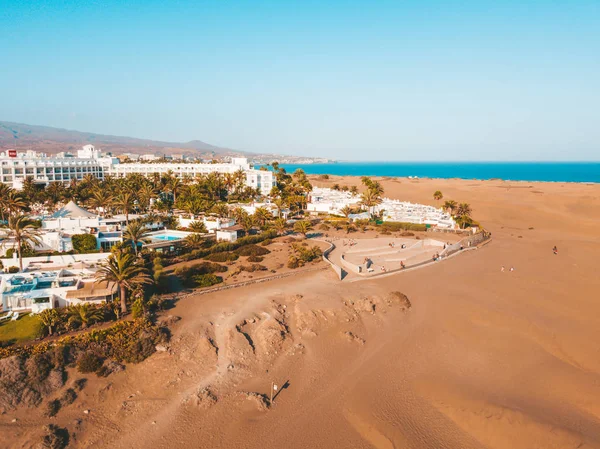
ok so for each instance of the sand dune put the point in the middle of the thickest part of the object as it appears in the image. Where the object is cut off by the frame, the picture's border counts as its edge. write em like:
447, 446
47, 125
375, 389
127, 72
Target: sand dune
482, 359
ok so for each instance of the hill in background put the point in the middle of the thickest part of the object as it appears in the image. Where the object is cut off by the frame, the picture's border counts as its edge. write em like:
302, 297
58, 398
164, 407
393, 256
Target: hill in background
54, 140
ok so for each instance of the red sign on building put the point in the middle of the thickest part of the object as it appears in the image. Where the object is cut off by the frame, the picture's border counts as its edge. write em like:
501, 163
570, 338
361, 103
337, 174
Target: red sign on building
12, 153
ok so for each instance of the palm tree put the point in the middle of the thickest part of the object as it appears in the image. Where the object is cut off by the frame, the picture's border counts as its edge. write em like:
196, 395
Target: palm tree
464, 209
101, 199
24, 232
174, 185
280, 204
15, 202
247, 223
354, 190
50, 318
220, 210
280, 225
85, 314
145, 195
4, 195
437, 195
370, 199
450, 206
134, 233
376, 188
346, 210
125, 202
238, 213
198, 227
126, 271
303, 226
55, 191
262, 216
194, 240
464, 212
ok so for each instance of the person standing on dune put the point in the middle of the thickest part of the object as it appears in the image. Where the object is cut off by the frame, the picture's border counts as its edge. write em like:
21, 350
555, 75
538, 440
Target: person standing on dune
555, 250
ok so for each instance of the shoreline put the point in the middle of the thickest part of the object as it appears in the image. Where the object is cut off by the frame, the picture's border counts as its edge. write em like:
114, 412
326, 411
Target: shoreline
323, 169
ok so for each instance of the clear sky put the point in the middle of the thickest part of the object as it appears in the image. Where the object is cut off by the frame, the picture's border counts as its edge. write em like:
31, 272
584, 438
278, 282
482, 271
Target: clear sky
371, 80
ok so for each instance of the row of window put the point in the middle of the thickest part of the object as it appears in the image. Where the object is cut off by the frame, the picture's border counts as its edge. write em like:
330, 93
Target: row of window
31, 171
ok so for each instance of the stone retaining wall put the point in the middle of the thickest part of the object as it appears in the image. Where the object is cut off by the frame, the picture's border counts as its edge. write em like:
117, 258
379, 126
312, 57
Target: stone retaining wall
253, 281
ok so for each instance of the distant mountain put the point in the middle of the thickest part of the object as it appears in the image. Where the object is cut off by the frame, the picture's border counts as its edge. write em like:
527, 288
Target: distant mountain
54, 140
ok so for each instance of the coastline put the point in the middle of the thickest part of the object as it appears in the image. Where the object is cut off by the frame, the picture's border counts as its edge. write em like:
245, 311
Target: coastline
561, 172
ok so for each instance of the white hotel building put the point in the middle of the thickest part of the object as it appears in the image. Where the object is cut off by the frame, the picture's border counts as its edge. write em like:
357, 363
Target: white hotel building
16, 167
257, 179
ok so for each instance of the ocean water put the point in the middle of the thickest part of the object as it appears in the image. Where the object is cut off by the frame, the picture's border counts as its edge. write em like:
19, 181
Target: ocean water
513, 171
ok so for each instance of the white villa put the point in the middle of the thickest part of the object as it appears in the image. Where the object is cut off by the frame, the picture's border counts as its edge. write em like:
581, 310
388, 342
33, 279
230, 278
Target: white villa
250, 208
42, 290
333, 201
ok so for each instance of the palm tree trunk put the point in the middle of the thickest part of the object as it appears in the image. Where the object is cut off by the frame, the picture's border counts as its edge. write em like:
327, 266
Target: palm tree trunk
123, 295
19, 254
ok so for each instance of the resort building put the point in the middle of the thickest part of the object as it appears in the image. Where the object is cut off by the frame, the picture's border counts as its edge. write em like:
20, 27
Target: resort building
257, 179
15, 167
250, 208
42, 290
230, 234
330, 201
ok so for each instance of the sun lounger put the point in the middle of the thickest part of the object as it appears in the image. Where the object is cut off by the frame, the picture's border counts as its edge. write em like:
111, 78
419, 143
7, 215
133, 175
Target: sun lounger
7, 316
15, 316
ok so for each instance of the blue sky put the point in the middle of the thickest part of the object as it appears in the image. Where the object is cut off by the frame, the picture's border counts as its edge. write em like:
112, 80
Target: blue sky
397, 80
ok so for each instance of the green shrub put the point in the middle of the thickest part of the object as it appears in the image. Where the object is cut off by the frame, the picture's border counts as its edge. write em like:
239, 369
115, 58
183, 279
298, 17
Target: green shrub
255, 259
52, 408
207, 280
395, 226
138, 350
55, 437
222, 257
302, 255
187, 274
68, 397
252, 268
89, 363
229, 246
252, 250
267, 242
137, 308
84, 243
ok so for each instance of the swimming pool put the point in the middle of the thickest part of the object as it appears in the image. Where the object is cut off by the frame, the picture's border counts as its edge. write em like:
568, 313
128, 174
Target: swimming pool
165, 237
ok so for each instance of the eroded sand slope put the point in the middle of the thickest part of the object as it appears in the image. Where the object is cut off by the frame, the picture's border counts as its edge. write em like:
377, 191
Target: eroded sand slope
482, 359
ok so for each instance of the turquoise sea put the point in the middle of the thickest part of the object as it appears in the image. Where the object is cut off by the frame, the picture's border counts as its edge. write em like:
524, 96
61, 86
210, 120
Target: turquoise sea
514, 171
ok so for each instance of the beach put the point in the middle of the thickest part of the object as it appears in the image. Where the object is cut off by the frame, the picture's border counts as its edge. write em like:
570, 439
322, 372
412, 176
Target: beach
459, 354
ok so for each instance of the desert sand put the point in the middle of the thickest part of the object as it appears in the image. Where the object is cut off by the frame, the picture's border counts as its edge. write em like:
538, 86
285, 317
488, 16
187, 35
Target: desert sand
480, 359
